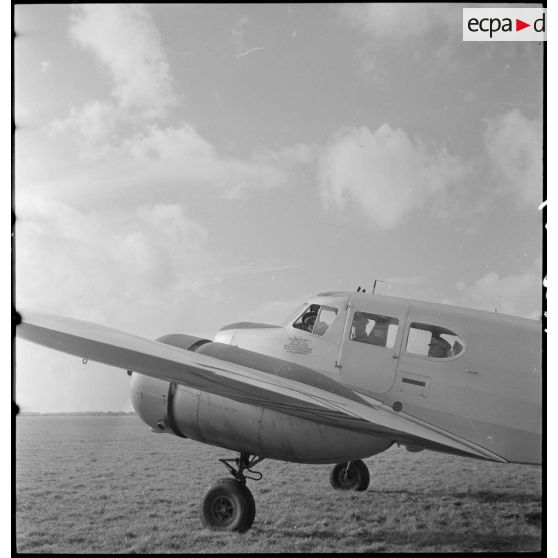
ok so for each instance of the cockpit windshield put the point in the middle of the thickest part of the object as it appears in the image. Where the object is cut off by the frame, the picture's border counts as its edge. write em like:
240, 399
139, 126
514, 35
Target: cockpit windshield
316, 319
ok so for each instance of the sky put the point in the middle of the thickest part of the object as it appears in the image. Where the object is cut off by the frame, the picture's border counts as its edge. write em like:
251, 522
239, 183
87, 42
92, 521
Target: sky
180, 167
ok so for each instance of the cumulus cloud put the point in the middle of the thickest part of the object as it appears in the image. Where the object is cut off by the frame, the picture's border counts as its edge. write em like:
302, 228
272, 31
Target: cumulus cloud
108, 266
180, 156
128, 44
427, 34
385, 173
94, 122
127, 133
398, 22
170, 161
514, 146
169, 142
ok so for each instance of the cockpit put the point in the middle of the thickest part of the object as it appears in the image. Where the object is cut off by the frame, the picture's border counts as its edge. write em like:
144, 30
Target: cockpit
315, 318
364, 326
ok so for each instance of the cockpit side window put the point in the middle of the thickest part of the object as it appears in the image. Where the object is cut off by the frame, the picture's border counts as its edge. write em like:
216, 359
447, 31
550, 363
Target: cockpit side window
295, 314
433, 341
307, 319
325, 318
316, 319
374, 329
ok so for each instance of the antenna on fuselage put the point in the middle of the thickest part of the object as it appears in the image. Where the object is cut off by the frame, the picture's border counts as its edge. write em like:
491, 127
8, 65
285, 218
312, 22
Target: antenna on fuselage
377, 281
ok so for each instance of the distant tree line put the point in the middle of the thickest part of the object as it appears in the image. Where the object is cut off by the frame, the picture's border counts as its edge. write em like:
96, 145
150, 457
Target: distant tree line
81, 413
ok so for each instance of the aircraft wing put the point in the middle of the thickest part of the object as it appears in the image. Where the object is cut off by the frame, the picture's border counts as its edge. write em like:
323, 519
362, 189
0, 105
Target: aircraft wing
238, 382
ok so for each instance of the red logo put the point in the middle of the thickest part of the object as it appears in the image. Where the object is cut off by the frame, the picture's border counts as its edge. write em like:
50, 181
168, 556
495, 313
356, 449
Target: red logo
519, 24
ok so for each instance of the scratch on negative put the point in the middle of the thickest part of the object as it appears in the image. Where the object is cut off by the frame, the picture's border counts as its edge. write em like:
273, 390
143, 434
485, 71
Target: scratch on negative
249, 51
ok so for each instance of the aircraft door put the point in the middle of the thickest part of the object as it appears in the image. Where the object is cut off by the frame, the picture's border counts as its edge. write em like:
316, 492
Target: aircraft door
371, 344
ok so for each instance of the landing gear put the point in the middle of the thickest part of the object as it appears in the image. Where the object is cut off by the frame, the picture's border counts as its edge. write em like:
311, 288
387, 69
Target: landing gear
227, 504
350, 476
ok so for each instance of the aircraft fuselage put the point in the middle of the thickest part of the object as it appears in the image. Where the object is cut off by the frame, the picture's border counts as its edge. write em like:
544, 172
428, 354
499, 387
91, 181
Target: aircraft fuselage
489, 393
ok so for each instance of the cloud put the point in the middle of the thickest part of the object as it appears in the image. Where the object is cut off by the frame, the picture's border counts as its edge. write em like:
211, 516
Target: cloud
94, 122
180, 156
401, 22
388, 175
127, 43
514, 146
109, 266
291, 156
172, 224
385, 173
517, 294
127, 135
169, 143
162, 161
426, 34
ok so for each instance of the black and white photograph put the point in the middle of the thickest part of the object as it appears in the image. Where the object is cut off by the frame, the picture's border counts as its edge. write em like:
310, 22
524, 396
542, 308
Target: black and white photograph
278, 278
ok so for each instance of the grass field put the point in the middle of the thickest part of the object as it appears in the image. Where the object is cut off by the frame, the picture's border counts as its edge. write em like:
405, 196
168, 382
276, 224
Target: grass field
107, 485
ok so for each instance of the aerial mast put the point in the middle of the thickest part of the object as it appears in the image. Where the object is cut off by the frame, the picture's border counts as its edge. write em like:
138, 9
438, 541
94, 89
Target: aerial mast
377, 281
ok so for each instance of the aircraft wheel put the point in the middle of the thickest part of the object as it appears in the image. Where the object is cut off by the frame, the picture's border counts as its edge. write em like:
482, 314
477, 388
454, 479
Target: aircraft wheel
227, 505
356, 477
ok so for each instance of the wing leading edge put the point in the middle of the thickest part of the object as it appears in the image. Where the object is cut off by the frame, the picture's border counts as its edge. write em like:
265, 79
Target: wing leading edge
237, 382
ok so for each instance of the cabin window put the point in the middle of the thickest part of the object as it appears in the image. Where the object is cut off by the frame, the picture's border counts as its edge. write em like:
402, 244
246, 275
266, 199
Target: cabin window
316, 319
374, 329
433, 341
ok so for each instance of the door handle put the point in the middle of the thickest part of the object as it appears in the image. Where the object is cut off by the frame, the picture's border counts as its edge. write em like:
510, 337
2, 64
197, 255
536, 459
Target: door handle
471, 371
394, 356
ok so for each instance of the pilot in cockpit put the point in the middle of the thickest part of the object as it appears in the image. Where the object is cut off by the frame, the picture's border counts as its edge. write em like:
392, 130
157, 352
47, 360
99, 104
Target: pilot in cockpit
308, 321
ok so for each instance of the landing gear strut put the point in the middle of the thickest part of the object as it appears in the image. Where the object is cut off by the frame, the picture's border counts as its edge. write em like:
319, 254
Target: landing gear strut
227, 504
350, 476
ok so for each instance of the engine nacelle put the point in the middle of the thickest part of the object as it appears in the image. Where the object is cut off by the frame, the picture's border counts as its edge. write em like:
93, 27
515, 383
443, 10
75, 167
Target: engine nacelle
220, 421
150, 396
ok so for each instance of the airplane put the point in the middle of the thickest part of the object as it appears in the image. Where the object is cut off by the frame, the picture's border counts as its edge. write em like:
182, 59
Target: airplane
344, 378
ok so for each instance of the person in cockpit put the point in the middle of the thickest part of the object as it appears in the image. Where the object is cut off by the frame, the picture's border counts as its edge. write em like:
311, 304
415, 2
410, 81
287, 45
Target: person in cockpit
360, 321
308, 321
379, 333
439, 347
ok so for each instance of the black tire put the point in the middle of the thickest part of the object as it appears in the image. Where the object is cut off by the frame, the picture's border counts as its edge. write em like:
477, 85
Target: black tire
227, 505
356, 477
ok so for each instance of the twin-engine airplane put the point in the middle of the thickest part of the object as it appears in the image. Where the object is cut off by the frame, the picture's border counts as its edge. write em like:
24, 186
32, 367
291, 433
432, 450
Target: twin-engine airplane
346, 377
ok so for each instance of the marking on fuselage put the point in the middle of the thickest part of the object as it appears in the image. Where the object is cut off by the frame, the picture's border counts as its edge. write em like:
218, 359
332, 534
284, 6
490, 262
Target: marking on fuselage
414, 382
298, 345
